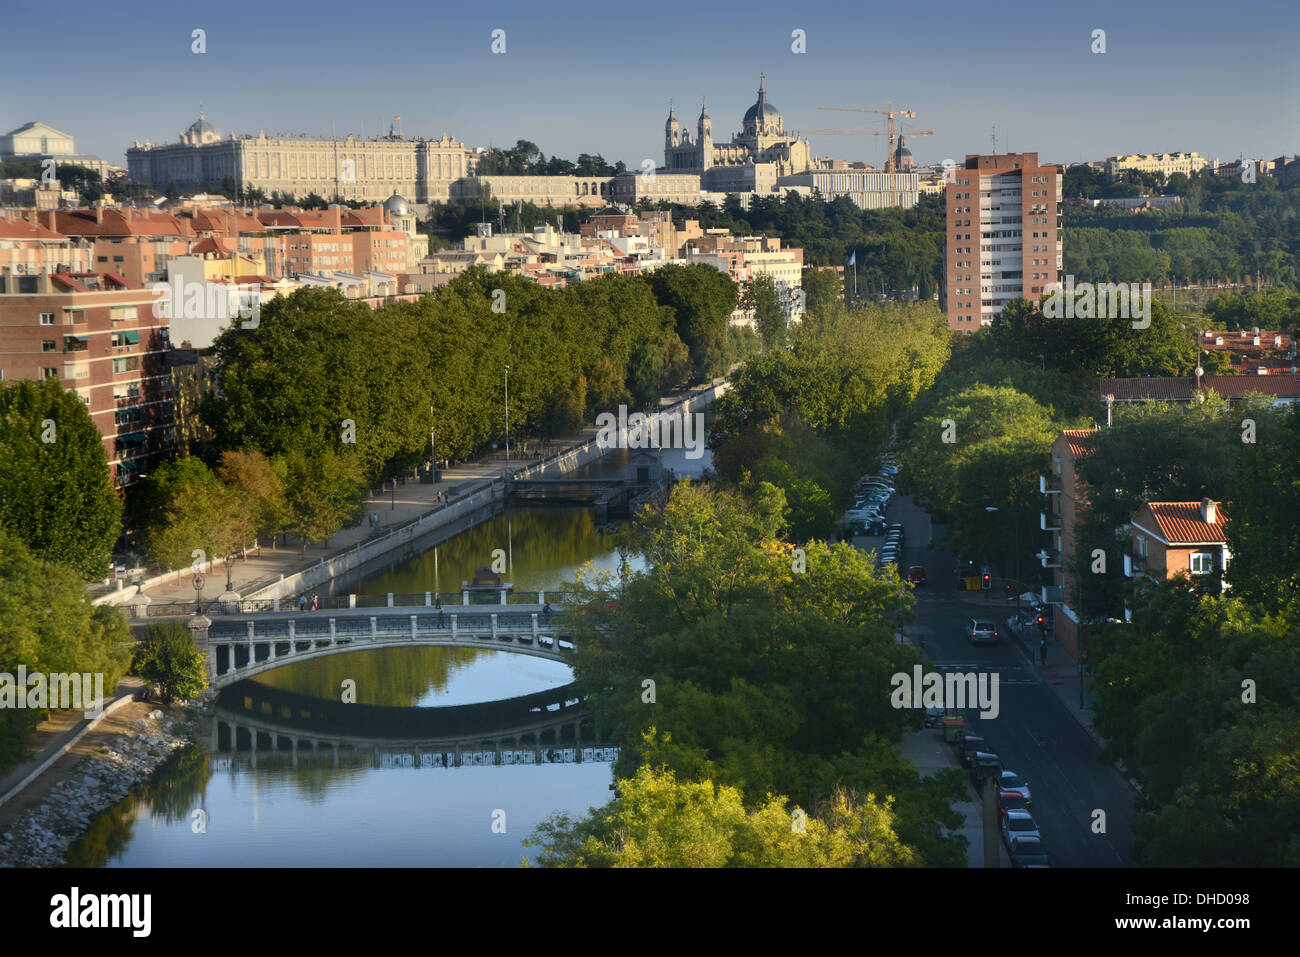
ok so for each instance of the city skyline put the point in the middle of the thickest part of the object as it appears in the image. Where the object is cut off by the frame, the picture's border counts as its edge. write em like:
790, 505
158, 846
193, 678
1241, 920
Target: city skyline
588, 88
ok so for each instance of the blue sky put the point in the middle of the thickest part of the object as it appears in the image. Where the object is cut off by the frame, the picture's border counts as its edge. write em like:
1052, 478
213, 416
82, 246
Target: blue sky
1219, 78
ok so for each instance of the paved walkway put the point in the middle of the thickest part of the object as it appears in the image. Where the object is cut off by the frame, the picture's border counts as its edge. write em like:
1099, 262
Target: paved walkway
927, 750
57, 731
407, 503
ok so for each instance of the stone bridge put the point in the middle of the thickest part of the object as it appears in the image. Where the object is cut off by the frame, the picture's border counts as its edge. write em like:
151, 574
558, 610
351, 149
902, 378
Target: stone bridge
241, 646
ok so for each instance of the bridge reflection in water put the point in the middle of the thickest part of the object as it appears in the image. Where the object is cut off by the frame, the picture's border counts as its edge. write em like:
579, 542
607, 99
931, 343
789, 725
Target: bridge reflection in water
258, 726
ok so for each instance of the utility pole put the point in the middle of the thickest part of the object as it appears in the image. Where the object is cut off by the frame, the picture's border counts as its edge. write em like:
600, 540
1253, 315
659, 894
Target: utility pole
507, 413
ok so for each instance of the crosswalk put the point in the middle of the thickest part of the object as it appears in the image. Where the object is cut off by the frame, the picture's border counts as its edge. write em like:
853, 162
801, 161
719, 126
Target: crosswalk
1013, 675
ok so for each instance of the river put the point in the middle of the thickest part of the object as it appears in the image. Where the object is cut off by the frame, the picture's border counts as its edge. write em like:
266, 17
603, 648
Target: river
367, 804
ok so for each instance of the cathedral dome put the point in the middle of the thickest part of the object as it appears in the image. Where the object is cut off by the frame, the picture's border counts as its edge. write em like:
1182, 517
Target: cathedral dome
762, 112
395, 205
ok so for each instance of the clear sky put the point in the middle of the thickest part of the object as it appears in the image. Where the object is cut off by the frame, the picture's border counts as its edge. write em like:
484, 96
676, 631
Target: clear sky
1217, 77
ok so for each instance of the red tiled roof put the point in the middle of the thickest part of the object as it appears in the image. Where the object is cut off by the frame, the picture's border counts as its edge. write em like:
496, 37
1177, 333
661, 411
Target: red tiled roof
1181, 390
1080, 441
209, 244
1181, 523
1280, 385
19, 228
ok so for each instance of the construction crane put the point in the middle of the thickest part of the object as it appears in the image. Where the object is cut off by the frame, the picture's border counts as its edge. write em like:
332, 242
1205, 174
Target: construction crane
889, 112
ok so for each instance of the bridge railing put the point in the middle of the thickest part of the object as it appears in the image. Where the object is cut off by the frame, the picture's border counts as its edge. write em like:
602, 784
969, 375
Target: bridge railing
485, 604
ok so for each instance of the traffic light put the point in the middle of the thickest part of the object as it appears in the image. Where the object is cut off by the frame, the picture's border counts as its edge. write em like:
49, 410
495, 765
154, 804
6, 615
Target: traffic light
987, 580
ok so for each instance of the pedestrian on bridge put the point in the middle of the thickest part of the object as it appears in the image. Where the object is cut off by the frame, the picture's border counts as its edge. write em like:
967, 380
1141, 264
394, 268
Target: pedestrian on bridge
302, 602
546, 610
442, 618
1042, 650
315, 602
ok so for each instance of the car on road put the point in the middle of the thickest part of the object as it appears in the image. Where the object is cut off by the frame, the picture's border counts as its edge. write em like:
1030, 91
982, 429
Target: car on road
896, 528
877, 527
1017, 824
1010, 801
978, 631
1014, 782
1028, 852
969, 746
934, 717
916, 575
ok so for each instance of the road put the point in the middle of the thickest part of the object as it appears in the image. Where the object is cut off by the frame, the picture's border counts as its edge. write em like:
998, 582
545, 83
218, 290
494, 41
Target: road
1035, 733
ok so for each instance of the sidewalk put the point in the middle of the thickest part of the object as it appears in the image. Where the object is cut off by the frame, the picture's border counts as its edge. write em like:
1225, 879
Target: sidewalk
55, 735
408, 502
927, 750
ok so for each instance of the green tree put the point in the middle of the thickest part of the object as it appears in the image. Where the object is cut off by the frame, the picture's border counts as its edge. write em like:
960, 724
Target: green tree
55, 490
702, 299
48, 626
822, 288
660, 821
740, 633
323, 493
185, 508
171, 662
761, 298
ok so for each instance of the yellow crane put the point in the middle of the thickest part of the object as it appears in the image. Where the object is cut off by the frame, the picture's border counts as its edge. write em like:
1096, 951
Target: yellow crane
889, 112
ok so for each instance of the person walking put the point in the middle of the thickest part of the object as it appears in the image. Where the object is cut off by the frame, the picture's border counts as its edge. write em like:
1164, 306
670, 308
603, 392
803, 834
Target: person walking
442, 618
302, 602
1042, 650
315, 602
546, 610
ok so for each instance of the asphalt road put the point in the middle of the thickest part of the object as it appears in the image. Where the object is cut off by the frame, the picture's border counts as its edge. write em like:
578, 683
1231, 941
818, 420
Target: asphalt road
1034, 734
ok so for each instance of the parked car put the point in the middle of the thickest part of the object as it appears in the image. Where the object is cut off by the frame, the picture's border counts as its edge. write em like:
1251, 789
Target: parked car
969, 746
1016, 824
1028, 852
978, 631
1010, 801
877, 527
916, 575
896, 527
934, 718
1013, 782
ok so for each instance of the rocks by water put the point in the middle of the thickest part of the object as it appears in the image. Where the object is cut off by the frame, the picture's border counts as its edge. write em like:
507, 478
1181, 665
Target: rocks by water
42, 835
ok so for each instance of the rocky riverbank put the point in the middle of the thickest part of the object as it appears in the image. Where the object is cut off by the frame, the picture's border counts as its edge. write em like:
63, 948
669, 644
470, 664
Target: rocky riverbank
42, 835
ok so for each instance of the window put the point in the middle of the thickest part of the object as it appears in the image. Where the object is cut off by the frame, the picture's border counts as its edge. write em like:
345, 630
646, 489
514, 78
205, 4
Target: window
47, 318
49, 345
49, 373
1201, 563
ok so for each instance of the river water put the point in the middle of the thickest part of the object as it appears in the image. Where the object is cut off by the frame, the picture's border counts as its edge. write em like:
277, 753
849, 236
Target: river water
368, 802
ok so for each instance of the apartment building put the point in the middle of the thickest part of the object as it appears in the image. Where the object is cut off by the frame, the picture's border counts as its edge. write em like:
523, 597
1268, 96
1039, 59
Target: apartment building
1003, 236
1166, 164
28, 247
100, 337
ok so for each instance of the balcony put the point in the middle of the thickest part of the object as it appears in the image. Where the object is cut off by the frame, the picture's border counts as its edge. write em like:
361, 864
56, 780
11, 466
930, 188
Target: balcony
1049, 485
1043, 519
1050, 558
1134, 567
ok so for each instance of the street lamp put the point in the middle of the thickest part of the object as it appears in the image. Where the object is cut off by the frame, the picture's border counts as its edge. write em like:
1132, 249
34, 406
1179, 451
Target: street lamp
507, 413
228, 585
198, 594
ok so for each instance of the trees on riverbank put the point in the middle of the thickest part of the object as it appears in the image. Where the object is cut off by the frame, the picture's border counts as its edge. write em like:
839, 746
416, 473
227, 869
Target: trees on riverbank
760, 669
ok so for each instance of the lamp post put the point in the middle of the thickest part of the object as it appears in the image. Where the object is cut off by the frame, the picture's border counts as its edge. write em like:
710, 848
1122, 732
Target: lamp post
198, 594
507, 413
229, 588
